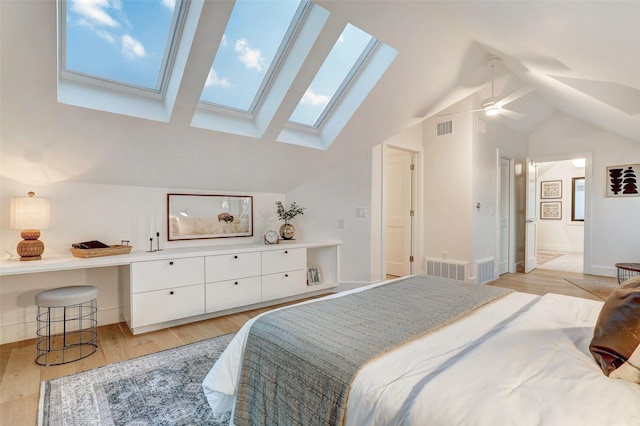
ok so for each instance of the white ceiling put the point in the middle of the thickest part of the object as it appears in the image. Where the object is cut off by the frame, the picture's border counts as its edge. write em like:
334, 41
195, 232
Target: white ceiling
582, 58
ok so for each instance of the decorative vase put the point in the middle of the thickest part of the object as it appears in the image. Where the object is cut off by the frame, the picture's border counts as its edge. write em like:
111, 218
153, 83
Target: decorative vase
287, 231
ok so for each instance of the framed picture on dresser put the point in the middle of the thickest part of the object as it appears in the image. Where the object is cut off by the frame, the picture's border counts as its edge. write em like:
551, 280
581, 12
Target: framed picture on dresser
202, 216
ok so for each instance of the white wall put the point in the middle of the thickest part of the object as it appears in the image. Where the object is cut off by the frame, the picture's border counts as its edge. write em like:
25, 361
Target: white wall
331, 199
612, 228
448, 202
564, 234
460, 171
111, 213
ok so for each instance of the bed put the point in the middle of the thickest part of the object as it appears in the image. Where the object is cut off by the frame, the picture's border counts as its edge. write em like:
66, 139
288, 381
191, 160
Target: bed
513, 359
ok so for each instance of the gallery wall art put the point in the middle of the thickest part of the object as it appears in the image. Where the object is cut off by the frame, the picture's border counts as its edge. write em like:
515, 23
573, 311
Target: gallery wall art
622, 181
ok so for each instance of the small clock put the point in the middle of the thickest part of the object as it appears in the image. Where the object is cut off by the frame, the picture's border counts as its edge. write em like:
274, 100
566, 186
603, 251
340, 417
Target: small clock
271, 237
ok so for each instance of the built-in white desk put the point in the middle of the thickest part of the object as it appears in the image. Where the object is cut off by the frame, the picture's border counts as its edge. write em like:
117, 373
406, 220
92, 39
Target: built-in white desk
153, 290
67, 262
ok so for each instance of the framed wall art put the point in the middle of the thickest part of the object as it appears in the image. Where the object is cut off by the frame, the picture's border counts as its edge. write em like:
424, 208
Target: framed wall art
623, 181
313, 276
201, 216
551, 189
551, 210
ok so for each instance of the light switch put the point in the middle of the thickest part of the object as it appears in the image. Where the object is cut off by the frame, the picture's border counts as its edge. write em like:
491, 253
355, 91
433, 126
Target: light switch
361, 212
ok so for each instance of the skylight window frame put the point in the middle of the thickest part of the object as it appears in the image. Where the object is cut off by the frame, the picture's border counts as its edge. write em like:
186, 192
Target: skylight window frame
346, 83
297, 22
171, 47
369, 74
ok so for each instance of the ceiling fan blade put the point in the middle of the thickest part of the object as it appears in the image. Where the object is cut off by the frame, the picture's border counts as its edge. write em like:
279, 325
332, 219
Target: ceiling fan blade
523, 91
511, 114
459, 112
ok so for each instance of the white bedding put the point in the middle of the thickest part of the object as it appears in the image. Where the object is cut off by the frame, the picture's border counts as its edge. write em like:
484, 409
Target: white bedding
522, 360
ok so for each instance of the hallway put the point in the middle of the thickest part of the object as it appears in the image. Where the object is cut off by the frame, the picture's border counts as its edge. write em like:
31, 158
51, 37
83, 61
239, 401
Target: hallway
565, 261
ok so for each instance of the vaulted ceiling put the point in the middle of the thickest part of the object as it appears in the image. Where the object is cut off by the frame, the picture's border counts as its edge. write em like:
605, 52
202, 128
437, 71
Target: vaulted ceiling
582, 58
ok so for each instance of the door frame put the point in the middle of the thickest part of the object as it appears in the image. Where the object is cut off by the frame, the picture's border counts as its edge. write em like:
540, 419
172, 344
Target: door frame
511, 254
416, 201
530, 214
588, 176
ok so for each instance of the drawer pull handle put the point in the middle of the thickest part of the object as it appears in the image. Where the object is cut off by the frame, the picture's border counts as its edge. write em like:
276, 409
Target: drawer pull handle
286, 251
171, 292
235, 257
236, 283
171, 263
286, 275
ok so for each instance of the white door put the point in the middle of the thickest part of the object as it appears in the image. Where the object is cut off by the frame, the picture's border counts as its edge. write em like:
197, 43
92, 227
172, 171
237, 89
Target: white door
398, 212
504, 215
531, 217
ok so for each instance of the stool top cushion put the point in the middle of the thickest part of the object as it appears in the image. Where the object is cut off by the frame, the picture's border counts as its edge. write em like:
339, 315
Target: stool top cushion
64, 296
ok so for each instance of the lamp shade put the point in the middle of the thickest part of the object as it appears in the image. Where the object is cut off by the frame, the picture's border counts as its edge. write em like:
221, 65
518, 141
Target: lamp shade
29, 212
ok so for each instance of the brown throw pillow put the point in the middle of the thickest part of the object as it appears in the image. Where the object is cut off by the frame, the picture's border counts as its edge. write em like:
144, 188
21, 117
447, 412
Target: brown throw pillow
616, 336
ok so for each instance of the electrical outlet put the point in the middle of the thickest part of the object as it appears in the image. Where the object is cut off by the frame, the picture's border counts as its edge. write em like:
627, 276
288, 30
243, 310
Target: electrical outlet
340, 223
444, 255
361, 212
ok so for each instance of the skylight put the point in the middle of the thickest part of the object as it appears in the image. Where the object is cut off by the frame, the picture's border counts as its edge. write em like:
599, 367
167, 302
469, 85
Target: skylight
120, 41
253, 43
341, 65
130, 57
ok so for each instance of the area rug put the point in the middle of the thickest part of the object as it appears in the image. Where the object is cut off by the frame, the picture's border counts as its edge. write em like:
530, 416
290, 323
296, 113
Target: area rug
599, 287
543, 257
163, 388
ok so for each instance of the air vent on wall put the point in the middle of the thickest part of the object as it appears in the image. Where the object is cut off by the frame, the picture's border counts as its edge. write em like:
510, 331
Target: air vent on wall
454, 270
444, 128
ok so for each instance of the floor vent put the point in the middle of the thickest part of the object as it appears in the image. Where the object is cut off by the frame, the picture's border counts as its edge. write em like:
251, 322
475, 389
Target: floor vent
485, 270
451, 269
444, 128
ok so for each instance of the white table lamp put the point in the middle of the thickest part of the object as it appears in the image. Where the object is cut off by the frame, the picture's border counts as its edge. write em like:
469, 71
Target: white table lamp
30, 214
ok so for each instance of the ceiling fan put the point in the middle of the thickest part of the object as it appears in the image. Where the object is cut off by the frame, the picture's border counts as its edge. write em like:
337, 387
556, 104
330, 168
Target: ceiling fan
496, 106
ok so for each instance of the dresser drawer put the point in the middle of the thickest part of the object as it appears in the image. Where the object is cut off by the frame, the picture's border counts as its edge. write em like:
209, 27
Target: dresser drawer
233, 293
229, 266
159, 274
166, 305
284, 260
283, 284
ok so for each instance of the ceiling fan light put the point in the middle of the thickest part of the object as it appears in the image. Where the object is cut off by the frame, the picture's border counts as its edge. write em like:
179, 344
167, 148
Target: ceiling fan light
492, 110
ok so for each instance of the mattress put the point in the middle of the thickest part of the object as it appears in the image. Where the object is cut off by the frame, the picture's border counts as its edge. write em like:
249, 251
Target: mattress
522, 360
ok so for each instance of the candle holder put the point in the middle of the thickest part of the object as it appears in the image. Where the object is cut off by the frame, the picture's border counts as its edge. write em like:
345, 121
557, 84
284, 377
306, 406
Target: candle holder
151, 249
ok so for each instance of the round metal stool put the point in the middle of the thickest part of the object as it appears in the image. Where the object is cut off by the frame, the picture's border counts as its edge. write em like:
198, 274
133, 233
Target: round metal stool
67, 324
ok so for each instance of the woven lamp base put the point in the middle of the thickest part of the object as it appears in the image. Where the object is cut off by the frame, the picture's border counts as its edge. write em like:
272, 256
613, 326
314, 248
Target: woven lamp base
31, 248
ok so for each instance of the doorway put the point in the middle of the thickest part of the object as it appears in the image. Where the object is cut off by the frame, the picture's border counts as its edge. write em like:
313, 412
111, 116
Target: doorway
399, 209
560, 241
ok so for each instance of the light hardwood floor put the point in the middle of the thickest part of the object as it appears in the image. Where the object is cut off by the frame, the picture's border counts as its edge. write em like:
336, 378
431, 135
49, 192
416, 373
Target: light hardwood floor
20, 377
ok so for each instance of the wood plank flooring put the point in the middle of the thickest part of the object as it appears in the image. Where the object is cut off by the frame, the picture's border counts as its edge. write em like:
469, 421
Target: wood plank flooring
20, 376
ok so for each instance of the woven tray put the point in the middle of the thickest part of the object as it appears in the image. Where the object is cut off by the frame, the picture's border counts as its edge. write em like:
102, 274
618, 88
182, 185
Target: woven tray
108, 251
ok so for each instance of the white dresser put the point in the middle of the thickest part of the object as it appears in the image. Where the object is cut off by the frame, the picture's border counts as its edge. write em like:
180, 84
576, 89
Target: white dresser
166, 290
185, 285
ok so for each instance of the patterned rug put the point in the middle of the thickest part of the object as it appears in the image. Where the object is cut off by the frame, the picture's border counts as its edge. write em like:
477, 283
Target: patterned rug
600, 287
163, 388
543, 257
